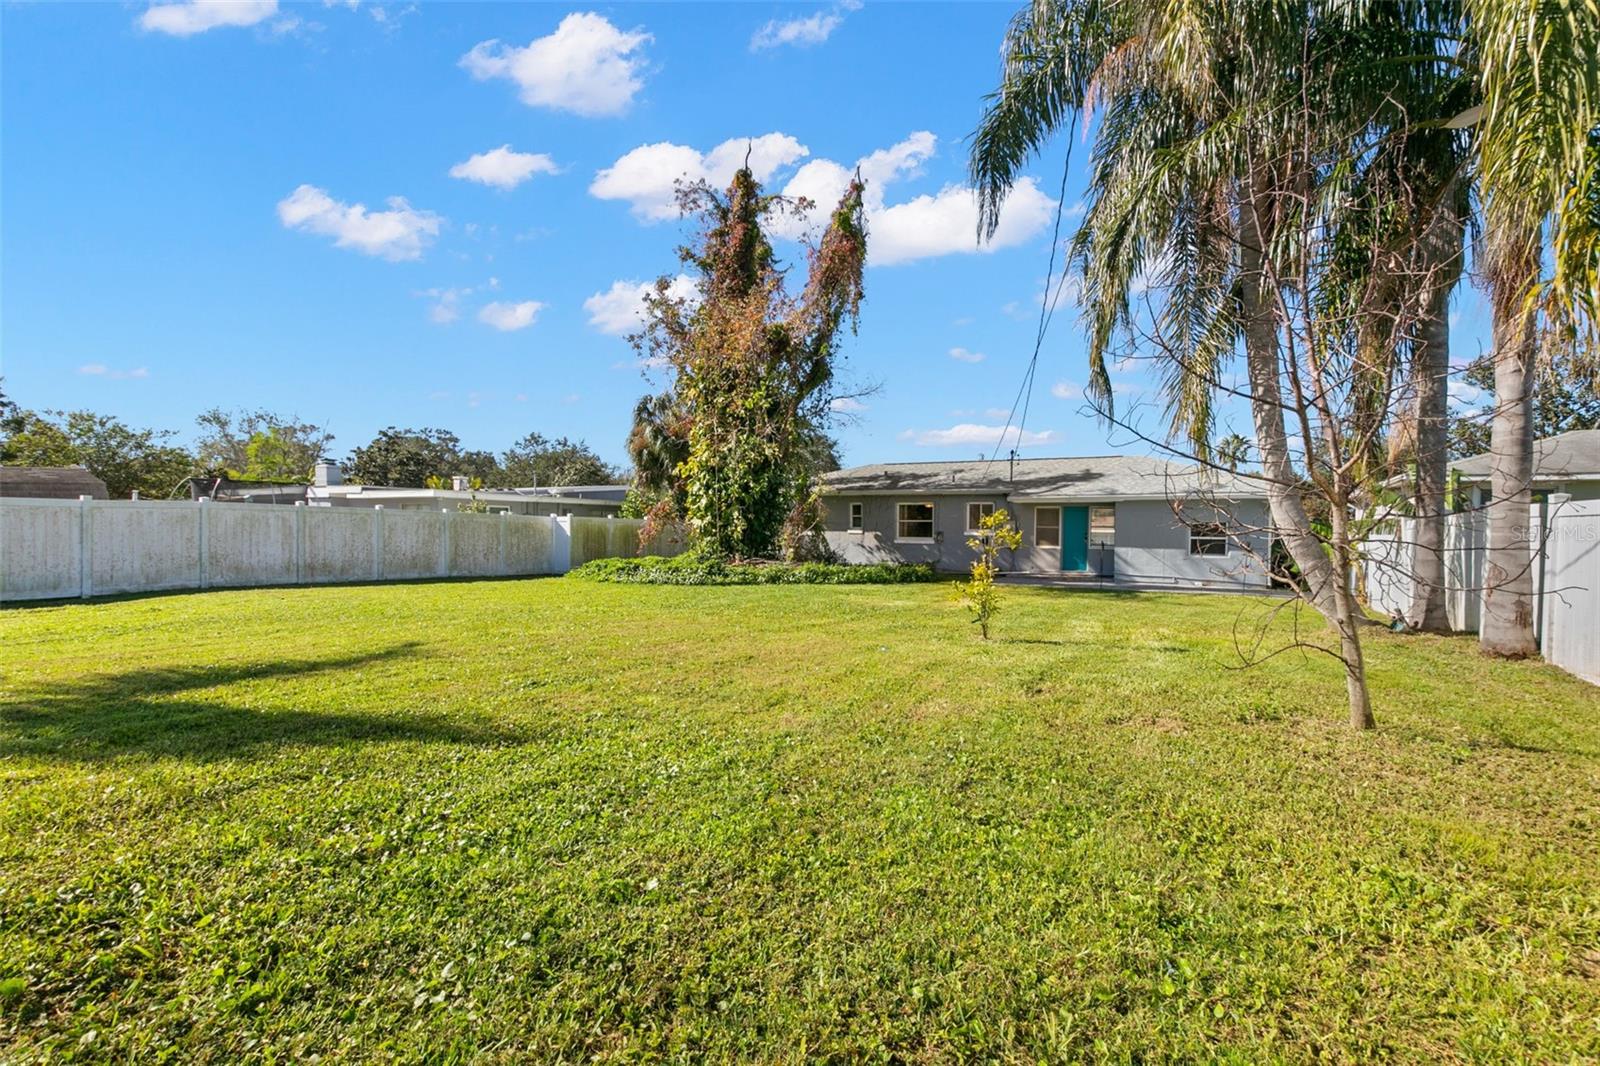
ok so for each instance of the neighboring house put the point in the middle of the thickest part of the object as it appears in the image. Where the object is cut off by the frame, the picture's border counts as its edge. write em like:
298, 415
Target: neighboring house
328, 489
1567, 462
1131, 520
51, 482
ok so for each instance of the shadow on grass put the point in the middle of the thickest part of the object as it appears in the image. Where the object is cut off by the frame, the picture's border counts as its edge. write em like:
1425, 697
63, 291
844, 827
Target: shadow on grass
144, 713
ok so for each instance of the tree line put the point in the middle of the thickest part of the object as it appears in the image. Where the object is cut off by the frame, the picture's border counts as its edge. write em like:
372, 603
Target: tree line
262, 446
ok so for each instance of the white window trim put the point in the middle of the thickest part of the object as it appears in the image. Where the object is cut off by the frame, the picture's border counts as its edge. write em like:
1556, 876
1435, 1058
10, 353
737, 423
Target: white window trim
973, 530
933, 515
857, 518
1043, 509
1112, 542
1227, 542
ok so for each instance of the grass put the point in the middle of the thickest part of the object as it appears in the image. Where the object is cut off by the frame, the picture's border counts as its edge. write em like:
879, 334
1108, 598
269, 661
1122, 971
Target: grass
562, 820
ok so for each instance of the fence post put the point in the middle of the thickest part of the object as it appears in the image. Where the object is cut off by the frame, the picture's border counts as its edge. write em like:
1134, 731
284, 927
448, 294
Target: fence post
299, 542
201, 538
500, 539
560, 545
1552, 563
444, 555
377, 542
85, 541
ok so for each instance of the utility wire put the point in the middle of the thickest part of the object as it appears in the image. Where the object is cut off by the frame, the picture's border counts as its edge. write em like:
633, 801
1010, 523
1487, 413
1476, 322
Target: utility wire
1047, 310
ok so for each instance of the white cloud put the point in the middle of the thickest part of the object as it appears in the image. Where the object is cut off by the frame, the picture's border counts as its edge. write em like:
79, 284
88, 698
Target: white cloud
1064, 390
647, 177
847, 405
189, 17
620, 309
446, 304
510, 316
400, 233
587, 66
968, 433
823, 182
947, 222
1465, 394
100, 370
920, 228
503, 168
962, 355
800, 32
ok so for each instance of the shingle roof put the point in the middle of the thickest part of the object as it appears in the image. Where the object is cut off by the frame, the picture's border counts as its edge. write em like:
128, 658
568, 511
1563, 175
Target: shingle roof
1574, 455
51, 482
1096, 477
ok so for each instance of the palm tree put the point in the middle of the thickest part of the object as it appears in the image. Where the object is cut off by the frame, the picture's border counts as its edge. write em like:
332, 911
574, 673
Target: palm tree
1211, 174
1232, 451
1540, 87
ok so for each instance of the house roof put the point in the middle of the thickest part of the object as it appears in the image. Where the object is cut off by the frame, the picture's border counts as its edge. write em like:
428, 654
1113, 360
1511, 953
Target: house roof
1094, 477
1570, 456
51, 482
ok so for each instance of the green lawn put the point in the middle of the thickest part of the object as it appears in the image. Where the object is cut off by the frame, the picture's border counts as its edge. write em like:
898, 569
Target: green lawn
550, 819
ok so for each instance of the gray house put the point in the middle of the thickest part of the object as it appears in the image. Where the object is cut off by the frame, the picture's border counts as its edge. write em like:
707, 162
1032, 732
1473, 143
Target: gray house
1123, 519
1567, 462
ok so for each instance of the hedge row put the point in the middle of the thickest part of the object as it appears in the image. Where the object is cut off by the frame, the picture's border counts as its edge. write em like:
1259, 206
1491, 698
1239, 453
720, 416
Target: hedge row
689, 570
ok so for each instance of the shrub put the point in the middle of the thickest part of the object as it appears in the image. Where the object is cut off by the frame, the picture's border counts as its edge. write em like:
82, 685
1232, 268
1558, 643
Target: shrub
693, 570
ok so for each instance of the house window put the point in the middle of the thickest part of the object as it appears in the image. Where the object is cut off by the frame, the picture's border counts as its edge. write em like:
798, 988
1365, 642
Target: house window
855, 516
1208, 538
1047, 527
976, 513
1102, 526
914, 521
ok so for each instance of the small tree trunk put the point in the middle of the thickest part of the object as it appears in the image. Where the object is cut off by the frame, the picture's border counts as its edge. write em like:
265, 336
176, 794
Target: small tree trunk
1430, 372
1507, 628
1355, 674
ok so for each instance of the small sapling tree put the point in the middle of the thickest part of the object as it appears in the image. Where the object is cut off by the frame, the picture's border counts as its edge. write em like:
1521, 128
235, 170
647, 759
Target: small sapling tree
981, 595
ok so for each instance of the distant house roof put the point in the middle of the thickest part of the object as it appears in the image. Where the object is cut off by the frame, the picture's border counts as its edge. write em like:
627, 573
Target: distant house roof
51, 482
1570, 456
1095, 477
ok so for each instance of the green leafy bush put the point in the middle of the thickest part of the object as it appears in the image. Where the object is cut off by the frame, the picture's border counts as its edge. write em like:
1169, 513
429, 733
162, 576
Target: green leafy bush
694, 570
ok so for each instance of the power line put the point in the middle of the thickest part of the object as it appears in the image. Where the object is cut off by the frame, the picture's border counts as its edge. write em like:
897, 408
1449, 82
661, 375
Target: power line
1047, 310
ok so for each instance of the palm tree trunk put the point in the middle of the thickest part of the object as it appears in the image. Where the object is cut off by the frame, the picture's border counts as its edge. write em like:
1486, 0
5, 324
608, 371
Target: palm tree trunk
1507, 628
1289, 519
1441, 253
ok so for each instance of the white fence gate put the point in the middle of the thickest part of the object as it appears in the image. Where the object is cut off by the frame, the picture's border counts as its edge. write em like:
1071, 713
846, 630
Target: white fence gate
53, 549
1565, 561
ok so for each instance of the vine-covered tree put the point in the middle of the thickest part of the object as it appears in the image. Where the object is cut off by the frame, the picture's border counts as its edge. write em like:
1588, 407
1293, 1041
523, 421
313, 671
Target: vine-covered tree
752, 365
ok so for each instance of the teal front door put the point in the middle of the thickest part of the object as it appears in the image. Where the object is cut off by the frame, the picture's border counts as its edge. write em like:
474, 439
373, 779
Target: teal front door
1074, 538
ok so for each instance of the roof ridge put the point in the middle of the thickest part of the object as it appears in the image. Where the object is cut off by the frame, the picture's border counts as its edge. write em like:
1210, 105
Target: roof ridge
997, 462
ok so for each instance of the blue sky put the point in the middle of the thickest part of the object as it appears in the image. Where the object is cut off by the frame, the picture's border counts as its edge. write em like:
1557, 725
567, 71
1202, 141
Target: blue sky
435, 215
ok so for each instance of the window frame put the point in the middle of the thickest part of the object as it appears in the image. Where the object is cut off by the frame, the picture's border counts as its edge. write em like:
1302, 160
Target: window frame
857, 517
974, 528
1202, 535
1055, 512
1106, 541
900, 522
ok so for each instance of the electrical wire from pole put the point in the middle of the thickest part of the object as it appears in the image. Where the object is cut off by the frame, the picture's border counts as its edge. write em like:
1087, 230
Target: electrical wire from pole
1047, 310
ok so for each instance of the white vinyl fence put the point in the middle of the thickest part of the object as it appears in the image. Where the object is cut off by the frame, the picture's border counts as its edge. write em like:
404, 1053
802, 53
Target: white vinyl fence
1566, 577
53, 549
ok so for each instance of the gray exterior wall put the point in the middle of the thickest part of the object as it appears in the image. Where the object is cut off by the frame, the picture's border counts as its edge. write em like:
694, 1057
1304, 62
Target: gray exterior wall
876, 542
1151, 543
